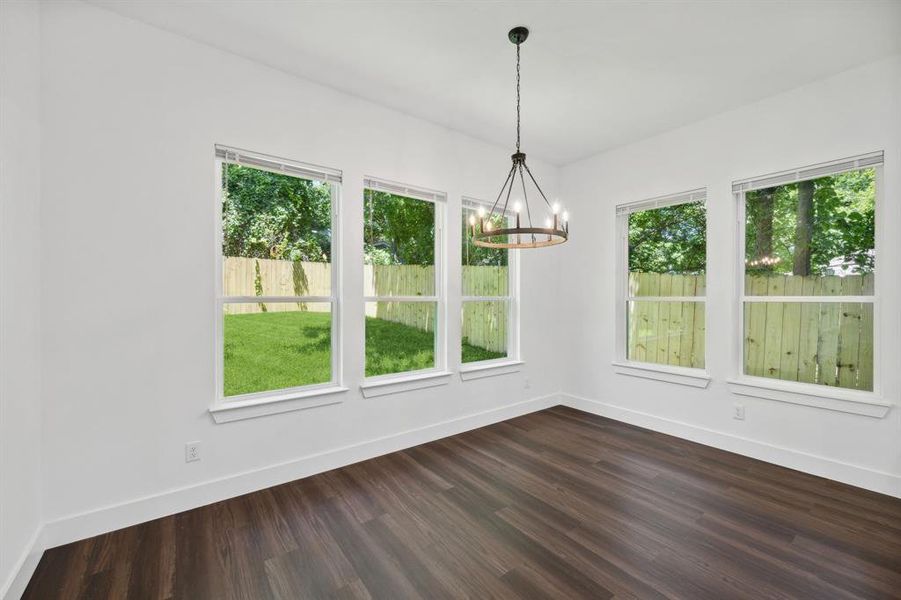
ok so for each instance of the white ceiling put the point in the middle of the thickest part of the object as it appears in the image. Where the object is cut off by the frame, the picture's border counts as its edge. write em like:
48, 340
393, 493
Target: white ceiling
595, 74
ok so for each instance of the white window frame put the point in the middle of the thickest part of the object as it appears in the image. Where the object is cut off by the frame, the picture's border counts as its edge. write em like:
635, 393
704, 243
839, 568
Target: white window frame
870, 403
507, 364
242, 406
690, 376
388, 383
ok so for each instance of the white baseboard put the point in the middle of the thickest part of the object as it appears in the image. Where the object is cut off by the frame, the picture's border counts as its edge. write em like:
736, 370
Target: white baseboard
109, 518
877, 481
18, 579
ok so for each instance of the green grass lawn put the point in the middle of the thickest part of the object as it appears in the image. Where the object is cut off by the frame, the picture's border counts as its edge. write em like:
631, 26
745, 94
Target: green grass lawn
275, 350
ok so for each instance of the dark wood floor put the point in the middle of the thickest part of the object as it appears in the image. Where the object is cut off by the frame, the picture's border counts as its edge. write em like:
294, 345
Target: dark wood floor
556, 504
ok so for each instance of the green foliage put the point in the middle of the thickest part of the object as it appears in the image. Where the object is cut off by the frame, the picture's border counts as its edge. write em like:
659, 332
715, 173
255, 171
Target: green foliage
398, 230
267, 215
258, 283
843, 226
478, 256
671, 239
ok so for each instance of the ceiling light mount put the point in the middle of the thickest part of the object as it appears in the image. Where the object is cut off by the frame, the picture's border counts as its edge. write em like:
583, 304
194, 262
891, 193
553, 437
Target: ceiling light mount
491, 231
518, 35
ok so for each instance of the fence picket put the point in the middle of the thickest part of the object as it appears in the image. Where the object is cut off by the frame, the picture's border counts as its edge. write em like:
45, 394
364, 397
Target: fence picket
791, 331
827, 342
808, 332
849, 335
755, 327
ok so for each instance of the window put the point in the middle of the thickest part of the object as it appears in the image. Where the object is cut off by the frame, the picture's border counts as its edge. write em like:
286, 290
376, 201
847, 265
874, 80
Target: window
663, 259
402, 278
809, 263
489, 308
277, 286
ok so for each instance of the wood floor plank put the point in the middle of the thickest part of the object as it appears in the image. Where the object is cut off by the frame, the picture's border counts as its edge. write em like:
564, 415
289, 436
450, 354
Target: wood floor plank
554, 504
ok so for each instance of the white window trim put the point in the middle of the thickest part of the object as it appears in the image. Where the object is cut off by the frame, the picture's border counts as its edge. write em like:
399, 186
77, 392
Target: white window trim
810, 394
682, 375
384, 385
490, 368
244, 406
792, 392
512, 362
690, 376
390, 383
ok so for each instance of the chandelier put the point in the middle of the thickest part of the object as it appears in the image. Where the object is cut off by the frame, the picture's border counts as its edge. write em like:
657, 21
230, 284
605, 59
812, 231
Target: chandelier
492, 230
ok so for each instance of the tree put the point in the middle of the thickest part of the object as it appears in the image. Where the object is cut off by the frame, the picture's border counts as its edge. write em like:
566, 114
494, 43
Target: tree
763, 242
268, 215
803, 228
398, 230
477, 255
670, 239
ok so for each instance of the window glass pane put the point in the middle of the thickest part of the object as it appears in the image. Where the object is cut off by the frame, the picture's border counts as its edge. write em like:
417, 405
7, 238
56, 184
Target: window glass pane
400, 337
666, 333
485, 270
668, 251
398, 245
276, 345
827, 343
807, 238
485, 330
276, 234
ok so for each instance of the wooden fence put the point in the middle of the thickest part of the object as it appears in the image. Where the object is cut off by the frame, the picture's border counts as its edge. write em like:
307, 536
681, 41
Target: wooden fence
829, 343
669, 333
485, 325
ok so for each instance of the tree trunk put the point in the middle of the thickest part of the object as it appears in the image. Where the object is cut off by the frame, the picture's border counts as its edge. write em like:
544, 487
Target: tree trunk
763, 240
803, 228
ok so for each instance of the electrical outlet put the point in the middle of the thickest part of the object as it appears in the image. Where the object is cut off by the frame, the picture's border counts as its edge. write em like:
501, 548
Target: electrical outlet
526, 384
738, 412
192, 451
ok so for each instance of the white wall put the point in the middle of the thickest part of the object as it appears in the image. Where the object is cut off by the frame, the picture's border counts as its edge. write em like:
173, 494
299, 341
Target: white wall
20, 416
131, 114
855, 112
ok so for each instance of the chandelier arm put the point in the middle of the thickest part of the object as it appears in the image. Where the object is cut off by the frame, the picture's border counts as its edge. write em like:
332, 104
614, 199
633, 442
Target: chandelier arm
501, 193
507, 199
538, 187
525, 196
509, 191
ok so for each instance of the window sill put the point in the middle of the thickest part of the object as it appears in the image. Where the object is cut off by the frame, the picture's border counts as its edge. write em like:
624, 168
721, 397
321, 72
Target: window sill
683, 376
228, 411
848, 401
396, 384
479, 370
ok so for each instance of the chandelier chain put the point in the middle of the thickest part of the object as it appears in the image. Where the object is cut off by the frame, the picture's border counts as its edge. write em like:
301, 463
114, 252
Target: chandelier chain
517, 98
